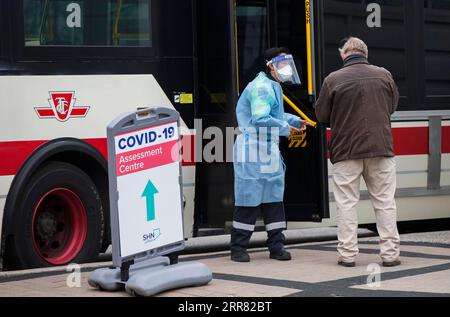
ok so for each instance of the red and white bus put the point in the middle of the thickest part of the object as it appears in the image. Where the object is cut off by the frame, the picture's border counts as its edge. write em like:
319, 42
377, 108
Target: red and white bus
69, 67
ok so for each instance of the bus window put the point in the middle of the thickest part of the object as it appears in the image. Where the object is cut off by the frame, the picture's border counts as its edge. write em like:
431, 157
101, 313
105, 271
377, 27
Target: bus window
119, 23
437, 50
2, 35
252, 41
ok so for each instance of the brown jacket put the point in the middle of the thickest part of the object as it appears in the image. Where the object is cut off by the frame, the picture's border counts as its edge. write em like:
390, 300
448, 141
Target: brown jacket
357, 102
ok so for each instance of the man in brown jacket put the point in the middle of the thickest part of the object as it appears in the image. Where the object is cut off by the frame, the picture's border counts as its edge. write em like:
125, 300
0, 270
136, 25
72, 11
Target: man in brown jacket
357, 102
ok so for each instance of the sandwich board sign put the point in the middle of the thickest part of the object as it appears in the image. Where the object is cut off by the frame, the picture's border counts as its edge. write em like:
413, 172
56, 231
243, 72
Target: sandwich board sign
144, 151
145, 188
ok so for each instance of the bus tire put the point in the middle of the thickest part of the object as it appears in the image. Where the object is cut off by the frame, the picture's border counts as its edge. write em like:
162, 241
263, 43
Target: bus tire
60, 219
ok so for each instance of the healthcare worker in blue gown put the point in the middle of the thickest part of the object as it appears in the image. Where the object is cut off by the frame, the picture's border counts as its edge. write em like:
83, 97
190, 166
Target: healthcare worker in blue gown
258, 166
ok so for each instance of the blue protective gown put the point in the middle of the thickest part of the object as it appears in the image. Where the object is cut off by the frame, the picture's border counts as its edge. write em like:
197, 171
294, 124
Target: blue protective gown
259, 169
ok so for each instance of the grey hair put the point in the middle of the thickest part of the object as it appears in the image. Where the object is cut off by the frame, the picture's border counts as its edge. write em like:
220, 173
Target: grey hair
355, 45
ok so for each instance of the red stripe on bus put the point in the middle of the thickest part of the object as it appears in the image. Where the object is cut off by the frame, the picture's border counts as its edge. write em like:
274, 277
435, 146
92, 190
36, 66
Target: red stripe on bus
13, 154
409, 141
446, 140
188, 150
100, 144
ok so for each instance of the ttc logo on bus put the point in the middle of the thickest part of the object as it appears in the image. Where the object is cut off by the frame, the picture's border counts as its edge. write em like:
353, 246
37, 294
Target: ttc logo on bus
62, 107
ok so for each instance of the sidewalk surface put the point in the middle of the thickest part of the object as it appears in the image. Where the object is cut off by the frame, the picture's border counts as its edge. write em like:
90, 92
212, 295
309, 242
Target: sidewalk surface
312, 272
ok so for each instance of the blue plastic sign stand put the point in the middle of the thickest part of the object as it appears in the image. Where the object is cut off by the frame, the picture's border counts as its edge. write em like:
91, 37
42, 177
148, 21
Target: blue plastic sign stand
145, 187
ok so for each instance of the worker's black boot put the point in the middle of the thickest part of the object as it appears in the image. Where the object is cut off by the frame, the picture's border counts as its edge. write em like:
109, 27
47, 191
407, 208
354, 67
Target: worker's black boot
241, 257
243, 226
283, 255
239, 243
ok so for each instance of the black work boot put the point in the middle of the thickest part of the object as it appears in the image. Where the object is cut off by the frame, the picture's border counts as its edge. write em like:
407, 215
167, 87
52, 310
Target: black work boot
282, 255
241, 257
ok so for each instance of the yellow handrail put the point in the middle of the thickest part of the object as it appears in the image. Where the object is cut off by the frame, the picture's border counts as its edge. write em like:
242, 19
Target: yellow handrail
116, 34
297, 109
309, 46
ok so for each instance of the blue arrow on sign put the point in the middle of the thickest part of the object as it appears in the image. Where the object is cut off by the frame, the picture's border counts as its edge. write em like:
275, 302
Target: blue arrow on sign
149, 193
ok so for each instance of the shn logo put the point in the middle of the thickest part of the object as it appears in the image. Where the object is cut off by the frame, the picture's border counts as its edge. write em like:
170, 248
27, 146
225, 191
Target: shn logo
62, 107
152, 236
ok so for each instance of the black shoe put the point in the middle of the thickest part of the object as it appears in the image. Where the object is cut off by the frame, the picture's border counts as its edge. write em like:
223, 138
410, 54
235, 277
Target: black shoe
240, 257
281, 256
347, 264
392, 264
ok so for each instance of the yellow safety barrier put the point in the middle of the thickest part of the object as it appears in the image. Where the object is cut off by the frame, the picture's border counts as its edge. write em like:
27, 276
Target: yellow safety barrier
298, 140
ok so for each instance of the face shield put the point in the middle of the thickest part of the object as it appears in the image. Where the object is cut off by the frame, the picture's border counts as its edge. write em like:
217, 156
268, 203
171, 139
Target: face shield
285, 68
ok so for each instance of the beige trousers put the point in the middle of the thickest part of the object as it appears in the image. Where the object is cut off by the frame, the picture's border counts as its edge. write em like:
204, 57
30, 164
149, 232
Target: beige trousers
380, 177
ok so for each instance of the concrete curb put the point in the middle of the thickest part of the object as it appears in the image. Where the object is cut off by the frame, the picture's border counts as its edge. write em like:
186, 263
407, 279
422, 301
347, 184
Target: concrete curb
9, 276
222, 242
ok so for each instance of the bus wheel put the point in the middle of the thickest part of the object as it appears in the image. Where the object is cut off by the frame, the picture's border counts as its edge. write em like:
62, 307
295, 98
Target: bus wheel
60, 220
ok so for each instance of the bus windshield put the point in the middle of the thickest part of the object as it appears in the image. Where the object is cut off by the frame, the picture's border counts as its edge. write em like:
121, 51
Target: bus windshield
87, 23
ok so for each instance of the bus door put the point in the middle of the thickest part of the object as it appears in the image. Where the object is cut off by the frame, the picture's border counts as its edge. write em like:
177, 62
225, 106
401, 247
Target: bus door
230, 50
217, 97
283, 23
